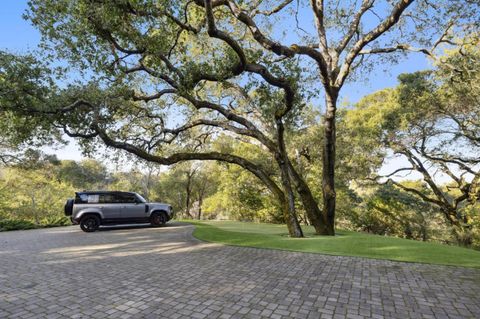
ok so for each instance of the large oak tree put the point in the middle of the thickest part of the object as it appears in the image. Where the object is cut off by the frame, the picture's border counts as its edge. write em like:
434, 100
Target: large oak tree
227, 66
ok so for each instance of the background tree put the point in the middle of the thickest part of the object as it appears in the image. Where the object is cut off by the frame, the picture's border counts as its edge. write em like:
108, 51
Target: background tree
86, 174
239, 196
387, 210
432, 121
32, 190
206, 184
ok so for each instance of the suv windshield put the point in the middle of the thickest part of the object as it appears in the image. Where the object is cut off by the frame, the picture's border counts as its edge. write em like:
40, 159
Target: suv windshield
140, 198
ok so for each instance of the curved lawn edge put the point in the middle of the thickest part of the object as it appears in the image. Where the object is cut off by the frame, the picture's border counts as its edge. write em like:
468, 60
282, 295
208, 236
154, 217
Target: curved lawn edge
347, 243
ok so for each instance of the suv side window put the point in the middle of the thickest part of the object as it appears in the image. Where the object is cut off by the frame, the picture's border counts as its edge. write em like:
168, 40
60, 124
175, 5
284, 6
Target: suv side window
93, 198
107, 199
80, 198
125, 198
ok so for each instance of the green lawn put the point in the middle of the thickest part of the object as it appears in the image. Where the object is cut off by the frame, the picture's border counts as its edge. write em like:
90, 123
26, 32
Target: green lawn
346, 243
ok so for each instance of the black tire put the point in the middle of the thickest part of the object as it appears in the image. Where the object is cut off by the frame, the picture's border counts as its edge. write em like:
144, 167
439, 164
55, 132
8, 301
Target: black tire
90, 223
158, 219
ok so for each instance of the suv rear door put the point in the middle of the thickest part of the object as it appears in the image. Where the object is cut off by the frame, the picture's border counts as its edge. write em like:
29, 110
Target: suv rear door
109, 205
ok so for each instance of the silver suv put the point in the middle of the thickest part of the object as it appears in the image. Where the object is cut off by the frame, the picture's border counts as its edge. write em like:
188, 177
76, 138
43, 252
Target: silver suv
92, 209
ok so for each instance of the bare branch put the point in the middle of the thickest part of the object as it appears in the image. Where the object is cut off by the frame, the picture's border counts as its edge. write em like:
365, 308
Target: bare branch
403, 169
418, 193
274, 10
398, 47
318, 10
383, 27
354, 25
155, 96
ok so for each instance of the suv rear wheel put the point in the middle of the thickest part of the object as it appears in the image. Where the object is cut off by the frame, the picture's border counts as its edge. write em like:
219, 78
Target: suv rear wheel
90, 223
158, 219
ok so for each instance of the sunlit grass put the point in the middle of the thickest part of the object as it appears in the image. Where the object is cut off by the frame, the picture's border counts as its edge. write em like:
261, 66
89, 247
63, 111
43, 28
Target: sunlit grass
345, 243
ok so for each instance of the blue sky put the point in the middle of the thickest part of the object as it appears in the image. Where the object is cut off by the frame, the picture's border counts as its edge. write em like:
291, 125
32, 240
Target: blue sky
19, 36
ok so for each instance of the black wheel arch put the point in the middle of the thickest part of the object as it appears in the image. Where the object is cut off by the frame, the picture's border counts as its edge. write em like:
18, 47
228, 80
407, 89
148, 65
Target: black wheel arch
91, 214
159, 217
159, 211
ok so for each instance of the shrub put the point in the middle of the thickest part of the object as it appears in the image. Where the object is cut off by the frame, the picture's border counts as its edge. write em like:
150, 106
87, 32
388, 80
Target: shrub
10, 224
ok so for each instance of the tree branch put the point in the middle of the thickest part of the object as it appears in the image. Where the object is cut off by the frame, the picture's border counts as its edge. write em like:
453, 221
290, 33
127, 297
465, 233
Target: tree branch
180, 157
383, 27
274, 10
354, 25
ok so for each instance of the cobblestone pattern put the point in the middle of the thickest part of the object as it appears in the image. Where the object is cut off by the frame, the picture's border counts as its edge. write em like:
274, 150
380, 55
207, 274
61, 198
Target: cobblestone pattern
165, 273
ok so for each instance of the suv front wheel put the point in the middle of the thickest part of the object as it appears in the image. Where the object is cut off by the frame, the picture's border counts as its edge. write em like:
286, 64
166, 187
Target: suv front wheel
89, 223
158, 219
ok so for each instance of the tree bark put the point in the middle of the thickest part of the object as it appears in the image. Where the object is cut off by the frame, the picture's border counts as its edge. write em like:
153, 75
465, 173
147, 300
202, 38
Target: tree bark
188, 190
310, 205
148, 179
187, 204
290, 214
289, 211
328, 177
200, 200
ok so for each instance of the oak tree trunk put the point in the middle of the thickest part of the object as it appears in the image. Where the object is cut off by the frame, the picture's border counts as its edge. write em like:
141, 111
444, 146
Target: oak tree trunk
188, 189
310, 205
328, 176
200, 201
289, 211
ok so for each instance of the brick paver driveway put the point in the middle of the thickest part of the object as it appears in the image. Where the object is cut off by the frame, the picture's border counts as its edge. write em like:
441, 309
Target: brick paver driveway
165, 273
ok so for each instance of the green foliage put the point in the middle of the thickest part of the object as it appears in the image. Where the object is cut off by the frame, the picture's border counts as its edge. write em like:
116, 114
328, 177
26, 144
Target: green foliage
240, 196
55, 221
9, 224
88, 174
431, 119
389, 211
21, 224
110, 36
33, 194
33, 191
25, 85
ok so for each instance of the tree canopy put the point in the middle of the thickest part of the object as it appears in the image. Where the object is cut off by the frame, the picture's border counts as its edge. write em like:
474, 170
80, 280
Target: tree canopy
432, 120
168, 79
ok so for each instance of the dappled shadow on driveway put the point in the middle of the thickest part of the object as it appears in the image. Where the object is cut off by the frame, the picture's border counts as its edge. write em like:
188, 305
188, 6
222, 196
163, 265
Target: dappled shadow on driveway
163, 272
132, 226
120, 227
